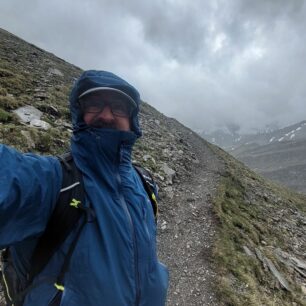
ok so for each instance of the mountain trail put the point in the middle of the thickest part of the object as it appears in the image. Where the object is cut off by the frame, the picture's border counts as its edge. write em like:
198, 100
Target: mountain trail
187, 229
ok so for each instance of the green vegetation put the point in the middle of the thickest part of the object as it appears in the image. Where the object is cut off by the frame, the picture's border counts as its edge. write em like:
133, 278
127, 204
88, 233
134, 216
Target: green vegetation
4, 73
245, 207
8, 102
3, 91
13, 82
5, 116
30, 139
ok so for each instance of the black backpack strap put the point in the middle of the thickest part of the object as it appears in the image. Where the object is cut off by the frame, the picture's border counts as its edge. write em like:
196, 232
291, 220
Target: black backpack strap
88, 217
64, 217
149, 185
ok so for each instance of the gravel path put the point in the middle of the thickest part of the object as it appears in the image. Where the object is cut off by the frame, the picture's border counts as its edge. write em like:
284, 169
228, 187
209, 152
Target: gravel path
187, 229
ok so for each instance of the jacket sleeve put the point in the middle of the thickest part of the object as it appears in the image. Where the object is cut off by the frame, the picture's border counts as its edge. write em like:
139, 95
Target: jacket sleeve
29, 188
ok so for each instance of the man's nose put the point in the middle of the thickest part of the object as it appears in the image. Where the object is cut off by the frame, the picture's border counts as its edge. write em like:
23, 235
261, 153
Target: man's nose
106, 114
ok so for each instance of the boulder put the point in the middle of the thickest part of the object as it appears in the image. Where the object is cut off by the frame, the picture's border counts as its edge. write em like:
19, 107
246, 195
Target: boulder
55, 71
28, 113
31, 115
170, 173
40, 124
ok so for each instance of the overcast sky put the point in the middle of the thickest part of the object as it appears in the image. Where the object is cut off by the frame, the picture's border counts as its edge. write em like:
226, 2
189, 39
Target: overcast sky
206, 63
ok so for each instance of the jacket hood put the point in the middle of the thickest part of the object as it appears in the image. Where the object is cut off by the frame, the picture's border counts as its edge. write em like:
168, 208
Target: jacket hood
92, 79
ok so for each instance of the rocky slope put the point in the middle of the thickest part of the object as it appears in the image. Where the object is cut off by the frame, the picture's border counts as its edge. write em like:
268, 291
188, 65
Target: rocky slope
228, 236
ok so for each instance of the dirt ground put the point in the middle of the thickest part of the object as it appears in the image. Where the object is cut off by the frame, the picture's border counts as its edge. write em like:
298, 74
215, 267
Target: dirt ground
187, 229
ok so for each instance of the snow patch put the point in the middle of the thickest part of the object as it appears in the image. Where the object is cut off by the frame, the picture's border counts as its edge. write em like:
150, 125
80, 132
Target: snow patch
271, 139
291, 132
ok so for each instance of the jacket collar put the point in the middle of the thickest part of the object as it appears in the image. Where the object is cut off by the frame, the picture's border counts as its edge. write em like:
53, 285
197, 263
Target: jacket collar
95, 148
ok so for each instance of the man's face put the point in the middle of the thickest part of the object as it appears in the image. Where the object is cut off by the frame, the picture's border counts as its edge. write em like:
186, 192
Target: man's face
106, 110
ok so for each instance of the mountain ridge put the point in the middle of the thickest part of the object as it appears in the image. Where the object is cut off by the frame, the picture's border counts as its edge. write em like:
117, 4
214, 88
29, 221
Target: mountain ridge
232, 140
279, 155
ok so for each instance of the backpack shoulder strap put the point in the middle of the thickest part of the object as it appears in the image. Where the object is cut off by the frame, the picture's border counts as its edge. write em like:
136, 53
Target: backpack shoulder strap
64, 217
149, 185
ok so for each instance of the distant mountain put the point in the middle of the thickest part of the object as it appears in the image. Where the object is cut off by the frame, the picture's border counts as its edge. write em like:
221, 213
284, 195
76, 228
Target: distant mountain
221, 138
279, 155
231, 141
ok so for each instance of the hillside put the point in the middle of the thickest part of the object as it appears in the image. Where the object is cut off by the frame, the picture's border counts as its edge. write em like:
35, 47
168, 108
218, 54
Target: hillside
228, 236
279, 155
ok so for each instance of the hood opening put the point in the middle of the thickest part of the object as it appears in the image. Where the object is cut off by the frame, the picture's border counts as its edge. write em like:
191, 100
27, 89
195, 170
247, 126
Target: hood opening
93, 79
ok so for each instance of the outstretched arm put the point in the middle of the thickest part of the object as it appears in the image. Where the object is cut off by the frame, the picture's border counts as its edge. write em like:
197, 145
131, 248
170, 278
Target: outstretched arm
29, 187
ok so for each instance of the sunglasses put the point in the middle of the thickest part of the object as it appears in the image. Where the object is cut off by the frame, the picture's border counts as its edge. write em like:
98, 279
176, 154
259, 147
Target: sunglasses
94, 103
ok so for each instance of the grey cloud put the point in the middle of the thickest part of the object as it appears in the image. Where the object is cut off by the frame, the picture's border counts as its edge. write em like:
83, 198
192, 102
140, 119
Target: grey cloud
208, 64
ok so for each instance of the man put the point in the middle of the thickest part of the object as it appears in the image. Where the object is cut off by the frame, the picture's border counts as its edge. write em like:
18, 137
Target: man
114, 262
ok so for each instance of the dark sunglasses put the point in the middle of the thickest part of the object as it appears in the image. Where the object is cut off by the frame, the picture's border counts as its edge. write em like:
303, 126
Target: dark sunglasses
95, 103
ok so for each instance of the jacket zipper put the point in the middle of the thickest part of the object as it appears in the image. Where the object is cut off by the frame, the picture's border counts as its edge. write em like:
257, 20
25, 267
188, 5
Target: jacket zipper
126, 209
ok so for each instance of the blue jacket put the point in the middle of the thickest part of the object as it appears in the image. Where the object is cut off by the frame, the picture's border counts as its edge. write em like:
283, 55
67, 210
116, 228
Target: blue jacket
115, 261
